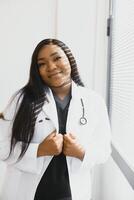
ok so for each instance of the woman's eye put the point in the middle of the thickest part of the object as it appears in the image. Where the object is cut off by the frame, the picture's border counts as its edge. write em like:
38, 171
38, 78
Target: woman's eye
57, 58
41, 64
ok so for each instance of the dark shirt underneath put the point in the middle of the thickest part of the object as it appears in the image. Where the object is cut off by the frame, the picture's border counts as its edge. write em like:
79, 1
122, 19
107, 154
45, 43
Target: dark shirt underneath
54, 184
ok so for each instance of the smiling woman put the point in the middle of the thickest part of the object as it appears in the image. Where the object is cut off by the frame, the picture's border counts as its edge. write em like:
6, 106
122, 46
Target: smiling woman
54, 66
53, 131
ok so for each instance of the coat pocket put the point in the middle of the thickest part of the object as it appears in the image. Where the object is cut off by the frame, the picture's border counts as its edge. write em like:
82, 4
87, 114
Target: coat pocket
43, 127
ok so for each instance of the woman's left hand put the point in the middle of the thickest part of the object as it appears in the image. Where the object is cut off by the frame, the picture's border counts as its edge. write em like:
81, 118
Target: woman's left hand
71, 147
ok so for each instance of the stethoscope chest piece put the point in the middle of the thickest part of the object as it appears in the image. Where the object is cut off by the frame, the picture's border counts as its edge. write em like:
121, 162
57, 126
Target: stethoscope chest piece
83, 120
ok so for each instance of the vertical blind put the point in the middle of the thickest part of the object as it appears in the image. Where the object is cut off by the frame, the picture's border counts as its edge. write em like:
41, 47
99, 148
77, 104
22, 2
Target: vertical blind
122, 79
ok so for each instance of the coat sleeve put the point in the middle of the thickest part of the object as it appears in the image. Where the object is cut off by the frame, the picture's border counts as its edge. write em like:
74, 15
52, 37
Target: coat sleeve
29, 162
98, 147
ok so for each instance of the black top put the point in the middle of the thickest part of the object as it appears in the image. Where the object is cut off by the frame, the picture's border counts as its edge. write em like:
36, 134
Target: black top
54, 184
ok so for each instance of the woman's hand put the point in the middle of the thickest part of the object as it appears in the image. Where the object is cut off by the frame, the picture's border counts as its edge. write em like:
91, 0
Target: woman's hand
51, 145
71, 147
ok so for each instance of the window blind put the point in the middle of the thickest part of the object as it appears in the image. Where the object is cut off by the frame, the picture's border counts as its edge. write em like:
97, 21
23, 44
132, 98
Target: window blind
122, 79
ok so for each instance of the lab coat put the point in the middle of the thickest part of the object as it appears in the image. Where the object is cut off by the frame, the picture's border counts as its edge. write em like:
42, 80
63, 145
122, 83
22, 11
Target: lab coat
23, 177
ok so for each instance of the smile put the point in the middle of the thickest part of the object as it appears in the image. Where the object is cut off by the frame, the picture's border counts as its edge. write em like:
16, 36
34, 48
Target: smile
55, 74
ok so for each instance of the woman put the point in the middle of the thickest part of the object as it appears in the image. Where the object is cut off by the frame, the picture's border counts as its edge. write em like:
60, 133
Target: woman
53, 131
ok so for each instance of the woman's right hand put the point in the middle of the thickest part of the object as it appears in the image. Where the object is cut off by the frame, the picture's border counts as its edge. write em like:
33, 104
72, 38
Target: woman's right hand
51, 145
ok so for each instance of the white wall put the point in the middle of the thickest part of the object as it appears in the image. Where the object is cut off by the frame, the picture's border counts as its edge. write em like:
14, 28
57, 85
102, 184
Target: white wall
23, 25
76, 26
82, 25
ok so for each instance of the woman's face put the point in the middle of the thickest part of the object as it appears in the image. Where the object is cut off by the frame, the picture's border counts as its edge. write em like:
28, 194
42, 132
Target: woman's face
54, 66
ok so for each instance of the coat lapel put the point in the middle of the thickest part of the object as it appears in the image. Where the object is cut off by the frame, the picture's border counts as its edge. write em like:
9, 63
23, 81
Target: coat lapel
74, 109
50, 110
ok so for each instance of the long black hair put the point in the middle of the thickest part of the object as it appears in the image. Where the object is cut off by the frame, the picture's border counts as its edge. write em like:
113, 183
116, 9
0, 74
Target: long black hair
34, 97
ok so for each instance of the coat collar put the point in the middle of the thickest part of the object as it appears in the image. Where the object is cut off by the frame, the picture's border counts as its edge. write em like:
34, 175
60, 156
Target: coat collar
50, 107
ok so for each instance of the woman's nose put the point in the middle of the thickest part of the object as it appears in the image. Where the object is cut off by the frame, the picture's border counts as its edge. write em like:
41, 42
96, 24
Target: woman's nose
51, 66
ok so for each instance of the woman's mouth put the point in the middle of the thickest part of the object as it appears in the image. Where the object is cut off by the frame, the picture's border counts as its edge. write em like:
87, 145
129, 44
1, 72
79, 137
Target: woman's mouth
54, 74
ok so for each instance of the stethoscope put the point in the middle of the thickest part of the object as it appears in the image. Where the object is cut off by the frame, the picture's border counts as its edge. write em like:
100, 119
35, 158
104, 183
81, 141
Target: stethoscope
83, 120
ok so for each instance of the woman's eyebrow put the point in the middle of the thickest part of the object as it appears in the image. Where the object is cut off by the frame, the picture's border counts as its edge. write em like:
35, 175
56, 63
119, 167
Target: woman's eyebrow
51, 55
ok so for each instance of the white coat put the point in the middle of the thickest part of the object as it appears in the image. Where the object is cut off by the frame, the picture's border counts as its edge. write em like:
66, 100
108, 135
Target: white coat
23, 177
